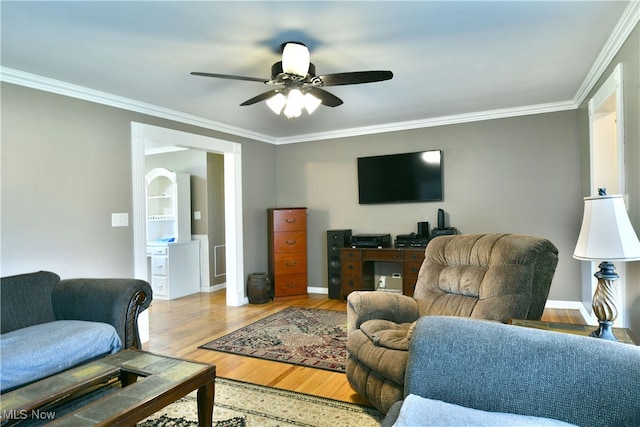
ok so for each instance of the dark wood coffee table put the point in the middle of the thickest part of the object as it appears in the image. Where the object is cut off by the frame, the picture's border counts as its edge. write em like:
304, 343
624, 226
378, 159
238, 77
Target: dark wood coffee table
163, 381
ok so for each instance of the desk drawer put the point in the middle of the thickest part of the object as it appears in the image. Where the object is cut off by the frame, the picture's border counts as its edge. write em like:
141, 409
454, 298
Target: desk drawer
352, 267
350, 284
413, 255
350, 253
159, 265
381, 255
411, 269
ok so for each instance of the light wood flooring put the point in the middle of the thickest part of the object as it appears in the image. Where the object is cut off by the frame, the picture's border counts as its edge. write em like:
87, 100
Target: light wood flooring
178, 327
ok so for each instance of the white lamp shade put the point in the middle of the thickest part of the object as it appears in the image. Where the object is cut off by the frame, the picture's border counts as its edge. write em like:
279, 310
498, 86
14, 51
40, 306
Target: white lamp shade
606, 233
311, 103
295, 59
277, 102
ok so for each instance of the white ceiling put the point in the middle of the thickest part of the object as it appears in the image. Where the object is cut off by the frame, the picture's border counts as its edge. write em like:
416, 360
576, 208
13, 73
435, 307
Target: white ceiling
451, 60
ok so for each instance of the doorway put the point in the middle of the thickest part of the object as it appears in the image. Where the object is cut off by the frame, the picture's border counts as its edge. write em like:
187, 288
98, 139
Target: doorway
141, 136
606, 148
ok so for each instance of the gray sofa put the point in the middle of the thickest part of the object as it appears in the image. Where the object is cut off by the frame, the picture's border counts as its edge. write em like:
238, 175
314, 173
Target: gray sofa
463, 371
49, 325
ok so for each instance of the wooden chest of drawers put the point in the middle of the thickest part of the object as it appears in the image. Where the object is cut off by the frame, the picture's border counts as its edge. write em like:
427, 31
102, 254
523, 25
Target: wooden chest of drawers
288, 251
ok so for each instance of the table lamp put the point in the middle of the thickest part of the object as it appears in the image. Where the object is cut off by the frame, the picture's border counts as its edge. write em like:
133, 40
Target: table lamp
606, 235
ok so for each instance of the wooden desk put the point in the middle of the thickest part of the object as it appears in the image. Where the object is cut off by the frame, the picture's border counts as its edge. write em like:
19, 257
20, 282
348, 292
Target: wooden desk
623, 335
357, 268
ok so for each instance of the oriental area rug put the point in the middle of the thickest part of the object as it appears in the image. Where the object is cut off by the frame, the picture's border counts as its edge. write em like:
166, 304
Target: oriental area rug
240, 404
310, 337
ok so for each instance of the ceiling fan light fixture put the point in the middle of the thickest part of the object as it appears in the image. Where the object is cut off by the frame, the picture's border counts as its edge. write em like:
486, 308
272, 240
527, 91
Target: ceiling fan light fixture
277, 102
295, 104
311, 103
295, 59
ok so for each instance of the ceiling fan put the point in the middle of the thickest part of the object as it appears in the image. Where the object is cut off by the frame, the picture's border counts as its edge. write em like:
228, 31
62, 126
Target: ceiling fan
299, 87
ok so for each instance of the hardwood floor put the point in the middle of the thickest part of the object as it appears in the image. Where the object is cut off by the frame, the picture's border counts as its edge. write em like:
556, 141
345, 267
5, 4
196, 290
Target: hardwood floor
178, 327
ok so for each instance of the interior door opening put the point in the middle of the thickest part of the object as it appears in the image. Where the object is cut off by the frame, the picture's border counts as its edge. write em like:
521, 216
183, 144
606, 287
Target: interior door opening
143, 134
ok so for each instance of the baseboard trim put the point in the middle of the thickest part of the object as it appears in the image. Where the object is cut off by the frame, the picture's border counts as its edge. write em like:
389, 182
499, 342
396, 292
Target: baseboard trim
316, 290
213, 288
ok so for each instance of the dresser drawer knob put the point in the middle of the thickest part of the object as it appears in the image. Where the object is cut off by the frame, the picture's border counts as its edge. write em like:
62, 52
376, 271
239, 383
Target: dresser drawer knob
290, 264
290, 220
291, 242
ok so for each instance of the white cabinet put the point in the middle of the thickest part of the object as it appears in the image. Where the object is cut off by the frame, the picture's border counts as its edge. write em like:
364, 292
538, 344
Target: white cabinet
174, 269
174, 259
168, 196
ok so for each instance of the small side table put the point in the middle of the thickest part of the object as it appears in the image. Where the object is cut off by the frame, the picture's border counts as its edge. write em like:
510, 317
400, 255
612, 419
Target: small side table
623, 335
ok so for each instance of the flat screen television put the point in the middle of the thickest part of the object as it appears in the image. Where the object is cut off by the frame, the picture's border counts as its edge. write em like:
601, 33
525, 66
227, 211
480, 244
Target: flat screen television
400, 178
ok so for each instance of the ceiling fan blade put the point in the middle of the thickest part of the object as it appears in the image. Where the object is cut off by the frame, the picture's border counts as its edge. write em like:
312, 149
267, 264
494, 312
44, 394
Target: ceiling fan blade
328, 99
230, 77
355, 77
261, 97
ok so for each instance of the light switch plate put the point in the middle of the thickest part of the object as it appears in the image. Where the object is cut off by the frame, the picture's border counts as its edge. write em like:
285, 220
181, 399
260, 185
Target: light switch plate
120, 219
197, 215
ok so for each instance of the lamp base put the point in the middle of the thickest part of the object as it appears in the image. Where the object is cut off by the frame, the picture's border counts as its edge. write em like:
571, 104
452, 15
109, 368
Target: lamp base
604, 331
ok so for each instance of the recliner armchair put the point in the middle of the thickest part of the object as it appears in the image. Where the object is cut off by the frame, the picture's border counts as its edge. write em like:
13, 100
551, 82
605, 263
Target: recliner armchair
483, 276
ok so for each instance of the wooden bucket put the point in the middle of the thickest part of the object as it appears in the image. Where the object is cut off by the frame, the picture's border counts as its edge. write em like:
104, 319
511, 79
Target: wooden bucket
258, 288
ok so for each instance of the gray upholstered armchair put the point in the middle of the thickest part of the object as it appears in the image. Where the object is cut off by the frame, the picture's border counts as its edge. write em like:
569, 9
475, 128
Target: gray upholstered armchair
484, 276
506, 375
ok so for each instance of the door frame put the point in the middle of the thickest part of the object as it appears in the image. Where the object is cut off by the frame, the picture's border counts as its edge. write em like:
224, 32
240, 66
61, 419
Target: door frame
601, 104
232, 152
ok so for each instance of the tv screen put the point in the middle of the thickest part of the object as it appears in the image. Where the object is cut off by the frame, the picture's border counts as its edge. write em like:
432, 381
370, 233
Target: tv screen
400, 178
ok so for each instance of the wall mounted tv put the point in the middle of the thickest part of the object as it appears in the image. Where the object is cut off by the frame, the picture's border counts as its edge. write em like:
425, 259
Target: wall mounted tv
400, 178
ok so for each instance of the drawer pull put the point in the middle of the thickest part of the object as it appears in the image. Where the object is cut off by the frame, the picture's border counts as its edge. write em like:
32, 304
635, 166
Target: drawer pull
291, 242
290, 221
290, 264
290, 285
350, 267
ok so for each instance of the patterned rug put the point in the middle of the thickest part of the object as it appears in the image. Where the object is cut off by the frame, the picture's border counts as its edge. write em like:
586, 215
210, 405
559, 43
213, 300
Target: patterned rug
240, 404
301, 336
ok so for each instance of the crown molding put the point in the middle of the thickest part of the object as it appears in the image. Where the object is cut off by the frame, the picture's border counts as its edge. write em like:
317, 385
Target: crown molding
433, 122
627, 22
46, 84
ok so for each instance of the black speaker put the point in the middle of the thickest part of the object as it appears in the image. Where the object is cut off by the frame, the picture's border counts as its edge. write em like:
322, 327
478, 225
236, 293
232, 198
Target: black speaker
423, 230
336, 239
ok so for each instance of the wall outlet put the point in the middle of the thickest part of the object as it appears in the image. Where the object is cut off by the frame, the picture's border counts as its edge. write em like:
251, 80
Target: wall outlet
120, 219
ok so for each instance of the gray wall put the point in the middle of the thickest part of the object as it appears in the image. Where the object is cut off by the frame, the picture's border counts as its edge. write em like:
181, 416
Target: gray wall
66, 166
516, 175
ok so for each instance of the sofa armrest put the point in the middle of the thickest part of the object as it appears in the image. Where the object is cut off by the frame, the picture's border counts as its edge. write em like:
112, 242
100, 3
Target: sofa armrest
505, 368
368, 305
114, 301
